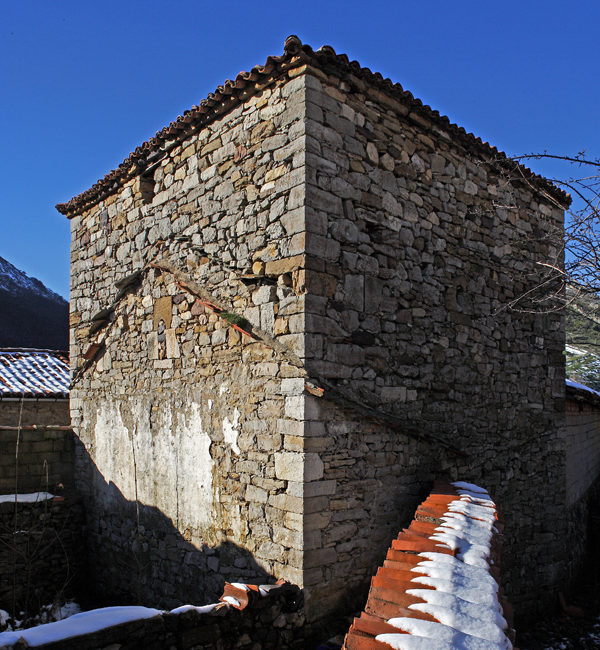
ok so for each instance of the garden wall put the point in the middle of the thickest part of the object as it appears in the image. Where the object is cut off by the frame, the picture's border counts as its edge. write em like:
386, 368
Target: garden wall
43, 552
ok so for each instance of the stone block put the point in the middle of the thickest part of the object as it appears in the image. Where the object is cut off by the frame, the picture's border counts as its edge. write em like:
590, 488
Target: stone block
152, 343
163, 310
256, 495
292, 386
316, 521
285, 265
290, 427
289, 466
263, 295
172, 344
288, 538
299, 467
319, 557
287, 503
313, 467
319, 488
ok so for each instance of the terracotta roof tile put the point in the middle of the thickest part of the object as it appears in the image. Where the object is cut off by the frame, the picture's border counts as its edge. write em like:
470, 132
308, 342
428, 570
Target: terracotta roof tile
389, 596
232, 92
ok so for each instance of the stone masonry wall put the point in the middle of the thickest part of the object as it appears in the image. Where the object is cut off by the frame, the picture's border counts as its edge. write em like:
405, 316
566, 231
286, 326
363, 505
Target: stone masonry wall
45, 458
582, 432
35, 412
42, 553
419, 248
191, 461
582, 471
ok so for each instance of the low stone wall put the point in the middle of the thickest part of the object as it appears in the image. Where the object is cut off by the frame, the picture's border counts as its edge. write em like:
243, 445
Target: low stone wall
582, 428
42, 556
267, 620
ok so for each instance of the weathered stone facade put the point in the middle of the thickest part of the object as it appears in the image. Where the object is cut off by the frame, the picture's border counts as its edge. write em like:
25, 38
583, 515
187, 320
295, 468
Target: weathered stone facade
372, 250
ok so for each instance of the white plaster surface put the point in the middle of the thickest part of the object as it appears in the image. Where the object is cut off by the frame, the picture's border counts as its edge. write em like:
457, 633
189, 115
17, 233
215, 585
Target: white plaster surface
165, 463
231, 431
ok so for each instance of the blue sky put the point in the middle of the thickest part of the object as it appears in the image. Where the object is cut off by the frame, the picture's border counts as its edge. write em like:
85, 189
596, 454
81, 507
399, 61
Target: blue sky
84, 83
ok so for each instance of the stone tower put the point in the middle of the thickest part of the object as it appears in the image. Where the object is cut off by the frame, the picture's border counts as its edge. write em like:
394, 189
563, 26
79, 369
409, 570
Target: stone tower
289, 313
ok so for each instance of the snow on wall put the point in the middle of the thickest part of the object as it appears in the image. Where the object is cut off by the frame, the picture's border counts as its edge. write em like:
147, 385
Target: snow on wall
189, 626
446, 595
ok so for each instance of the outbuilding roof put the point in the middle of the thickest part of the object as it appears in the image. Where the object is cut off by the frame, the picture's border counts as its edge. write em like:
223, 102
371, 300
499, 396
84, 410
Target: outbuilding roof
26, 372
231, 93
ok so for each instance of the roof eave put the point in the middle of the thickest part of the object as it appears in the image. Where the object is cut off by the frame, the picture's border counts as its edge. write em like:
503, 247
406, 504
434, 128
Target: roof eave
231, 93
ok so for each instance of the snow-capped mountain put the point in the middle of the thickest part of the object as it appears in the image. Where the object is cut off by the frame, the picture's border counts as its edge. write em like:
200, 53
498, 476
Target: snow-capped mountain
15, 281
31, 315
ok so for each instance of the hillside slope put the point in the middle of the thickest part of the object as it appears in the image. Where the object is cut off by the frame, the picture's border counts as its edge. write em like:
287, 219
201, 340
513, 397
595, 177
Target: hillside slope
31, 315
582, 324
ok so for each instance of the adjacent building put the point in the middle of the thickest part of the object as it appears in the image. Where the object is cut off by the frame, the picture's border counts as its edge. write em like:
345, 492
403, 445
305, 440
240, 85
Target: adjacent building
36, 443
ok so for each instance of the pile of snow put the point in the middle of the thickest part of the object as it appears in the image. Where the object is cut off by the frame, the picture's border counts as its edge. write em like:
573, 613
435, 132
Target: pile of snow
465, 596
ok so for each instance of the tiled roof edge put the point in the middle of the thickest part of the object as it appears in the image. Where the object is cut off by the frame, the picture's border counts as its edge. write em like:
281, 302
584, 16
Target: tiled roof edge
58, 353
232, 92
391, 596
582, 393
27, 373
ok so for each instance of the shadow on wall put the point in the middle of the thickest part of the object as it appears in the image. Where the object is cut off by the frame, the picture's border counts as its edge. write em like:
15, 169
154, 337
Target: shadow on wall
41, 559
135, 555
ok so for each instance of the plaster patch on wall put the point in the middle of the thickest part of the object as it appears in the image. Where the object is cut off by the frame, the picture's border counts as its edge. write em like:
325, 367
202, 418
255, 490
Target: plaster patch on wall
223, 388
231, 431
195, 471
165, 462
113, 450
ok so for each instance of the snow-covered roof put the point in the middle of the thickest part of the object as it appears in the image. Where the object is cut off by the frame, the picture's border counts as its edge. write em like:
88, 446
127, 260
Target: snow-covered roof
33, 373
581, 387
